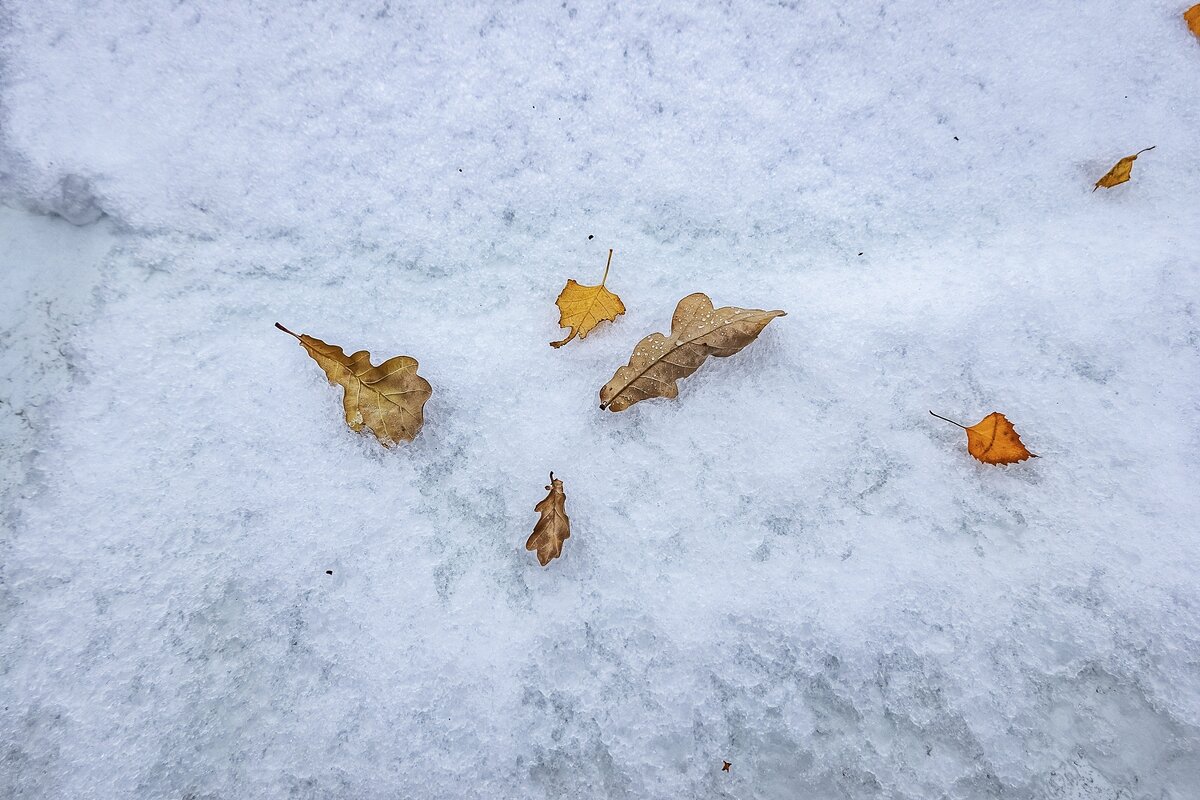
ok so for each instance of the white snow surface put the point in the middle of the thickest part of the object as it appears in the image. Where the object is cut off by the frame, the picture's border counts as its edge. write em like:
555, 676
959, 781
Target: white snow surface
792, 567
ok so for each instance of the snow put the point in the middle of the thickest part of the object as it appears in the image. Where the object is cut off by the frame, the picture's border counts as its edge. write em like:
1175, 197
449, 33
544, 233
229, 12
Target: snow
793, 567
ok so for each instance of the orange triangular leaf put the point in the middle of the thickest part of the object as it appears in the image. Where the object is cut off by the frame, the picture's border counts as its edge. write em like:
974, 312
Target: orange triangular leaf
1120, 172
993, 440
1192, 17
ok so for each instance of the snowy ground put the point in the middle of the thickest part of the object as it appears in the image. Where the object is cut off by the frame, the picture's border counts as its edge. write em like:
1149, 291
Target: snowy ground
793, 568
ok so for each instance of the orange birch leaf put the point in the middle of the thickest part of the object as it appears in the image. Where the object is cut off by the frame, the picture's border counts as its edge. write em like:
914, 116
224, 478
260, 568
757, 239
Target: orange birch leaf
993, 440
1192, 17
1120, 171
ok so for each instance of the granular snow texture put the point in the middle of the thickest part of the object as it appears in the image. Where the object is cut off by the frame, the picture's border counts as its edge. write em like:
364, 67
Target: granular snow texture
792, 567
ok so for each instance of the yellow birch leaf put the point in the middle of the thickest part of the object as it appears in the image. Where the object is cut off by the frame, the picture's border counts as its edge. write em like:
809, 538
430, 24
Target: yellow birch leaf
993, 440
388, 399
553, 528
582, 308
1192, 17
1120, 171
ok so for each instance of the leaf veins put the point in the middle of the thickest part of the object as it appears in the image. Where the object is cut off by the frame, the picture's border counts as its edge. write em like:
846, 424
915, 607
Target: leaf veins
697, 332
993, 440
553, 528
582, 308
388, 399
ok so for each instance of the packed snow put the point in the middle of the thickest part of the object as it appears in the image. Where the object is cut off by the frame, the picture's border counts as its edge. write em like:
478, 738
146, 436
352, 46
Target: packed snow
211, 588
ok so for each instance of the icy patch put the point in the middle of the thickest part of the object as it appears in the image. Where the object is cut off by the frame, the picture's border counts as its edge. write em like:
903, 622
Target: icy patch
75, 201
51, 276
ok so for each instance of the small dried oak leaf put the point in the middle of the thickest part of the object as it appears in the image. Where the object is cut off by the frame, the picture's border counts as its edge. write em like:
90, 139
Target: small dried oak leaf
1120, 171
1192, 17
388, 399
553, 528
697, 332
582, 308
994, 440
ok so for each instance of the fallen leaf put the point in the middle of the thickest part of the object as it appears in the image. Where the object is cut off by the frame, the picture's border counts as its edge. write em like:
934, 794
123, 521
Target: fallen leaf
993, 440
582, 308
697, 332
726, 766
388, 399
1192, 17
1120, 171
554, 527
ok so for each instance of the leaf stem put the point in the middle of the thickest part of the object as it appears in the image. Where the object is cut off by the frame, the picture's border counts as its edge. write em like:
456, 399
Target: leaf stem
285, 330
606, 266
1139, 152
952, 422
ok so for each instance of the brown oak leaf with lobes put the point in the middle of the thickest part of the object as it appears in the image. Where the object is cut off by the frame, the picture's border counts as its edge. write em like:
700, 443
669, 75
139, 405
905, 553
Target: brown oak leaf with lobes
553, 528
697, 332
582, 308
993, 440
388, 399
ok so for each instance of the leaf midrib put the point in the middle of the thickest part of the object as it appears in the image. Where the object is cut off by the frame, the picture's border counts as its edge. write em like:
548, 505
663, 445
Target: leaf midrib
666, 353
